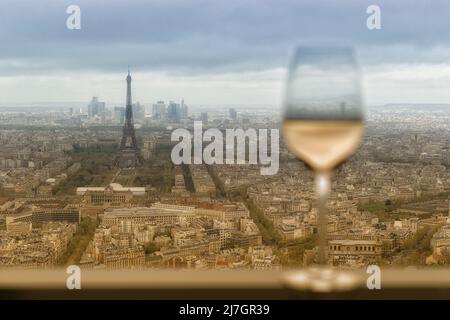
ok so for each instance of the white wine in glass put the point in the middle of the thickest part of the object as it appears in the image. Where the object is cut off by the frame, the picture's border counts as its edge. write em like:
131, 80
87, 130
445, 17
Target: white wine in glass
323, 116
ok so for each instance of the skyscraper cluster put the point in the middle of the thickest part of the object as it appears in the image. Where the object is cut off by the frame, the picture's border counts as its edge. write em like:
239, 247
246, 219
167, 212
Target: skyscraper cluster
173, 112
96, 108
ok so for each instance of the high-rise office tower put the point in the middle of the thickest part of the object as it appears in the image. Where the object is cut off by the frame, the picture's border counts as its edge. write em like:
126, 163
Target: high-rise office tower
119, 114
159, 110
184, 110
204, 117
173, 112
96, 108
138, 111
233, 113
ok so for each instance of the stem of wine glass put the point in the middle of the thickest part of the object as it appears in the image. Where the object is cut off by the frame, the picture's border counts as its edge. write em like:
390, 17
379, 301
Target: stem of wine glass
322, 181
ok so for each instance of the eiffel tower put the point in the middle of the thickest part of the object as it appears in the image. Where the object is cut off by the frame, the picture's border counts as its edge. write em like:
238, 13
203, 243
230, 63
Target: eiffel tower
129, 155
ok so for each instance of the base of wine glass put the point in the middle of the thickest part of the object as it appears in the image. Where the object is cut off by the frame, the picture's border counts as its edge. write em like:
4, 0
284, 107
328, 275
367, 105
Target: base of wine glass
322, 279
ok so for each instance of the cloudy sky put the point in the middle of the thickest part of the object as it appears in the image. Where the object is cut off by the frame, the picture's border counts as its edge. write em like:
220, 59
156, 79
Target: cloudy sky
215, 52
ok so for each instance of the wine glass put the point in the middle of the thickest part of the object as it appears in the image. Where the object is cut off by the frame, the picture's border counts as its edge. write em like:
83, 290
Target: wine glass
323, 117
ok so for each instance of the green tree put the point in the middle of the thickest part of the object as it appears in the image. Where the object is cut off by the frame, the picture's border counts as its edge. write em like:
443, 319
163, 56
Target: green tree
151, 247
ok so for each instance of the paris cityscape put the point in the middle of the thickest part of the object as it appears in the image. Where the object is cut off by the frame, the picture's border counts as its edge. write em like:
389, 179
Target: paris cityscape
198, 150
95, 186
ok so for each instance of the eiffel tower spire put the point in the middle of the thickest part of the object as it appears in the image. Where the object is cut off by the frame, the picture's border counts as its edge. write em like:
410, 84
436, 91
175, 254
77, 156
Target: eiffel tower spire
128, 155
129, 87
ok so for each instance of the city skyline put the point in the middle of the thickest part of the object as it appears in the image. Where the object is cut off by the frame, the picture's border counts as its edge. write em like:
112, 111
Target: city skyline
62, 192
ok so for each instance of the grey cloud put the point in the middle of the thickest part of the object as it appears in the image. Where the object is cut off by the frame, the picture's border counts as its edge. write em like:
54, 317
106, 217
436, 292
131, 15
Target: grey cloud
210, 36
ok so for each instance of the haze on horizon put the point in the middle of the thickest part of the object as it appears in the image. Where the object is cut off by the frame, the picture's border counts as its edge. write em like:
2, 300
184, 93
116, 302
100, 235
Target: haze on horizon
214, 52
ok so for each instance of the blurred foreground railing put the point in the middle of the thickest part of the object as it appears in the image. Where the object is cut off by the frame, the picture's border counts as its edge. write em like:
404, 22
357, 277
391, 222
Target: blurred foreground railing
230, 285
